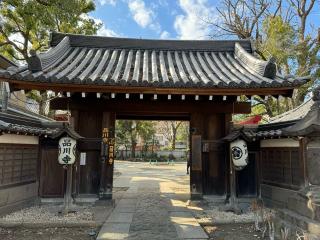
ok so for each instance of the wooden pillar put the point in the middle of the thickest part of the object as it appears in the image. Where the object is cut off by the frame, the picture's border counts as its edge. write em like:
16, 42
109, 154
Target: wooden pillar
107, 165
73, 121
196, 178
208, 176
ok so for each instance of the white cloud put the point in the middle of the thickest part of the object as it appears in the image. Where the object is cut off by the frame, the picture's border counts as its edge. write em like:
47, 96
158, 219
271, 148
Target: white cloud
104, 31
141, 14
111, 2
165, 35
190, 25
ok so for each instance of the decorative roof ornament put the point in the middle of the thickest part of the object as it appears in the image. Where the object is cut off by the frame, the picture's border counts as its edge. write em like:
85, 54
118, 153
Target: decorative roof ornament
34, 62
266, 69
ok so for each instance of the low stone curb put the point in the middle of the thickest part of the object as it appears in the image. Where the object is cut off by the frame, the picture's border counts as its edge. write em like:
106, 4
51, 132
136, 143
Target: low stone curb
5, 224
221, 222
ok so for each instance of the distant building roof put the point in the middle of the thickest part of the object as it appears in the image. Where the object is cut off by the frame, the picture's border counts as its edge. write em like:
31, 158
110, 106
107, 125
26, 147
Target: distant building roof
310, 123
106, 61
5, 63
301, 121
11, 123
250, 120
294, 114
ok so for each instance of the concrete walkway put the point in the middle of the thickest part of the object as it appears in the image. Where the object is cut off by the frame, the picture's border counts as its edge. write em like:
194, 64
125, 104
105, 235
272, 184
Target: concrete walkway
151, 204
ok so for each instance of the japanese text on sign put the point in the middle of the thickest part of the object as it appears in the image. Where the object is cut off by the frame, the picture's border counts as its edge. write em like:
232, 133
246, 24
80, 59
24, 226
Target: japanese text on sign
67, 150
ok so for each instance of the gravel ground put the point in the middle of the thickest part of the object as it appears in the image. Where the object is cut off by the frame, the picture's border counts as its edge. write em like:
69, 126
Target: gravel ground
217, 216
47, 234
235, 231
42, 214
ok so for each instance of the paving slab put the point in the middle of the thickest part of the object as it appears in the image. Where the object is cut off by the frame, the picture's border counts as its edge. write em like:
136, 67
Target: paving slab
187, 226
154, 207
114, 231
119, 217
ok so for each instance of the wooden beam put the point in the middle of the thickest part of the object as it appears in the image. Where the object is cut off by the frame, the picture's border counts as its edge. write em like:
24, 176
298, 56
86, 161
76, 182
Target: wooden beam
138, 106
19, 84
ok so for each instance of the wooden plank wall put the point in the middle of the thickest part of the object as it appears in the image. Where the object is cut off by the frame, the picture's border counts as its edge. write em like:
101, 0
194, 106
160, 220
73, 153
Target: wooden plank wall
282, 167
18, 164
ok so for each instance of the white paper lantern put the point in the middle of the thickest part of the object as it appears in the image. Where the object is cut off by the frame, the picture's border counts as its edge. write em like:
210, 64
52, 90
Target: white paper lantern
67, 150
239, 154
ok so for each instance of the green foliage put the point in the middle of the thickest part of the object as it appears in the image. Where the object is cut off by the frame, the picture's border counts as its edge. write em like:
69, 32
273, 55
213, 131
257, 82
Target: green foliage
279, 41
128, 132
25, 24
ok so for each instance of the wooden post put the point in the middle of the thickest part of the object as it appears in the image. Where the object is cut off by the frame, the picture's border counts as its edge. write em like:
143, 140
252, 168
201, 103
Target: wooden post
67, 195
232, 182
233, 205
196, 168
106, 177
73, 121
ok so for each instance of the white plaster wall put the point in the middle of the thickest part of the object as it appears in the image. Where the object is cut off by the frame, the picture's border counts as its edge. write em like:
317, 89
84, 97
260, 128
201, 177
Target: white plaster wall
18, 139
282, 142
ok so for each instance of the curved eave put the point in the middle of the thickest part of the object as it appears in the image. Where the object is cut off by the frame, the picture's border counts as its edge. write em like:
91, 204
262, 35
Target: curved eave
308, 130
65, 87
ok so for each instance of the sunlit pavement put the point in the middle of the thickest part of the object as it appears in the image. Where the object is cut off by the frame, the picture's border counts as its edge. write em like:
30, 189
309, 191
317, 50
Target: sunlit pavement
151, 203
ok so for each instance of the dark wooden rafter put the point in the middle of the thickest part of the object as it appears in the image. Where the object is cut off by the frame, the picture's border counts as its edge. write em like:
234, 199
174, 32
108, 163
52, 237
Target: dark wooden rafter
18, 85
146, 107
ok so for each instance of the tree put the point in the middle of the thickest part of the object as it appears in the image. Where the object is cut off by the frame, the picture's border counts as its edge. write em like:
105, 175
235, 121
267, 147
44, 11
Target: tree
128, 131
308, 61
26, 25
278, 39
169, 129
277, 28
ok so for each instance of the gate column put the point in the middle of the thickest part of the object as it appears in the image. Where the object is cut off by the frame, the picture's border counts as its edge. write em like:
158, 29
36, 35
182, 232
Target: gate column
107, 165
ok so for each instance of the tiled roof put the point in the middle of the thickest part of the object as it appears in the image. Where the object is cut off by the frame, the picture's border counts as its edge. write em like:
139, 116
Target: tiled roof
310, 124
17, 124
253, 134
105, 61
294, 114
25, 130
5, 62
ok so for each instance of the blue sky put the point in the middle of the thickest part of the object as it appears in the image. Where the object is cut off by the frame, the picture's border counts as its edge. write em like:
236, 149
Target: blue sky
167, 19
154, 18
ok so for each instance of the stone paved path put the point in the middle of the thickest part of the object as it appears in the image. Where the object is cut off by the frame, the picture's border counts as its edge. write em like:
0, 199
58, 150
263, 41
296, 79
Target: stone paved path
151, 204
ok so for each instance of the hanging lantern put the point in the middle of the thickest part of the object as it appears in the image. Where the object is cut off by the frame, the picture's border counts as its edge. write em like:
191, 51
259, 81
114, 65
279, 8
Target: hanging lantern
239, 154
